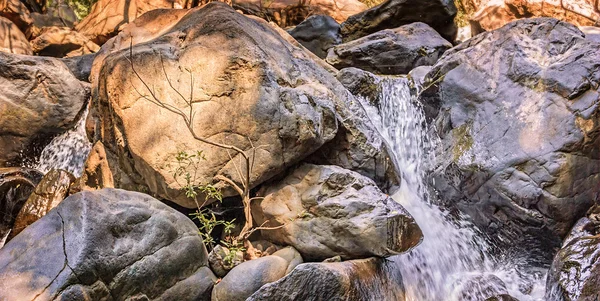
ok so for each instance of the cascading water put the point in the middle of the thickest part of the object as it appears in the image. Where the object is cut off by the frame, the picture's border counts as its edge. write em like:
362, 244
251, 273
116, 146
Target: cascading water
67, 151
452, 252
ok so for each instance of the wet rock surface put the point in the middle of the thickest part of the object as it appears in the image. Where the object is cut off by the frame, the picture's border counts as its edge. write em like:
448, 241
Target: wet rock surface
318, 33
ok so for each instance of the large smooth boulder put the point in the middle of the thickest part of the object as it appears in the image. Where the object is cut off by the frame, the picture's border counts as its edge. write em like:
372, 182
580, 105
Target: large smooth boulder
391, 51
61, 42
108, 16
438, 14
520, 130
248, 277
39, 99
16, 12
251, 88
372, 279
107, 245
326, 211
317, 33
16, 185
12, 40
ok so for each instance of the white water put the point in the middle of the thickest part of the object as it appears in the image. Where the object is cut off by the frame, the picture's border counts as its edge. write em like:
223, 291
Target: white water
67, 151
452, 251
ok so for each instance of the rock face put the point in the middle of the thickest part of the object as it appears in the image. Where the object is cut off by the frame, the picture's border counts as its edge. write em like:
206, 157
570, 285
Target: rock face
361, 83
291, 12
575, 271
519, 124
490, 15
486, 287
391, 51
12, 40
271, 94
108, 244
16, 12
438, 14
245, 279
61, 42
16, 185
329, 211
52, 189
107, 16
370, 279
318, 33
39, 99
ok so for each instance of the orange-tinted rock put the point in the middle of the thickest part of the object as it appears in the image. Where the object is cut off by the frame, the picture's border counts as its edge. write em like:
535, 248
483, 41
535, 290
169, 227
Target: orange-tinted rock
16, 11
61, 42
96, 174
12, 40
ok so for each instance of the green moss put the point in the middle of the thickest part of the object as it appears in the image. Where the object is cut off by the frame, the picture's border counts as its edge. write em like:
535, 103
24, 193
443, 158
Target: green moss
463, 141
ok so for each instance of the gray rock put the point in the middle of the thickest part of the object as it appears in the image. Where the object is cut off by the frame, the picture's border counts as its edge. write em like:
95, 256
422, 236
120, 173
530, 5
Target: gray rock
479, 287
245, 279
317, 33
220, 261
16, 185
39, 98
520, 149
592, 33
360, 83
372, 279
80, 66
391, 51
329, 211
438, 14
107, 245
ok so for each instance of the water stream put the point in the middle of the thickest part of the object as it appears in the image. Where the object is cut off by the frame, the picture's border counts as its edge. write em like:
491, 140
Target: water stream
453, 255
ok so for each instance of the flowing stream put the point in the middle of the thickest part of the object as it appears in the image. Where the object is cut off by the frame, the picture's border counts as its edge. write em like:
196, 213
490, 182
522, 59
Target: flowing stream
454, 261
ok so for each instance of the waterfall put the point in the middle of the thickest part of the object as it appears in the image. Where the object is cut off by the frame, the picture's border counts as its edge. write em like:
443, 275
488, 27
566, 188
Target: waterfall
453, 253
67, 151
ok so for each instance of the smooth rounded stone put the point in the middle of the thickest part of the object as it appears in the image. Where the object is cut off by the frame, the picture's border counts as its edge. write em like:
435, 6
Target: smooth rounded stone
107, 244
328, 211
248, 277
438, 14
317, 33
519, 131
96, 171
479, 287
218, 263
361, 83
391, 51
62, 41
51, 190
39, 99
276, 97
16, 185
372, 279
16, 12
80, 66
575, 271
12, 40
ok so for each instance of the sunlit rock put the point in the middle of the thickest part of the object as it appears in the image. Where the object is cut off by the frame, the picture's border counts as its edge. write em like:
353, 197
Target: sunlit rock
12, 40
61, 42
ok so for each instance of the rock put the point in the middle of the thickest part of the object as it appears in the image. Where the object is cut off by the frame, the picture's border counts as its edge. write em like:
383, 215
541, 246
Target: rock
12, 40
503, 297
107, 16
479, 287
108, 244
372, 279
329, 211
575, 271
360, 83
96, 170
274, 97
519, 131
490, 15
39, 100
592, 33
16, 12
52, 189
248, 277
16, 184
318, 33
221, 262
292, 12
61, 42
80, 66
391, 51
43, 21
438, 14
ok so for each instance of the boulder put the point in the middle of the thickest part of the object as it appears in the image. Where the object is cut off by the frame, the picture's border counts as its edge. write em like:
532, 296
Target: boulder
272, 95
221, 261
39, 99
107, 245
520, 130
490, 15
96, 171
248, 277
16, 12
592, 33
292, 12
12, 40
391, 51
327, 211
479, 287
317, 33
52, 189
438, 14
61, 42
372, 279
43, 21
361, 83
107, 16
80, 66
16, 185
